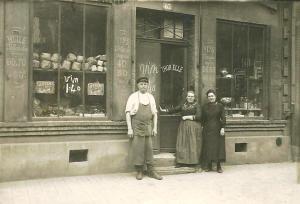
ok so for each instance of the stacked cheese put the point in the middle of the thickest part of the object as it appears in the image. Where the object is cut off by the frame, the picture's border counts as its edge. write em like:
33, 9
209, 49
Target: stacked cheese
71, 62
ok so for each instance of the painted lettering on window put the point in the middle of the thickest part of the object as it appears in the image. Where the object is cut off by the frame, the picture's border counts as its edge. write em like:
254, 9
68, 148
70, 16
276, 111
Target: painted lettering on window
72, 85
148, 68
172, 67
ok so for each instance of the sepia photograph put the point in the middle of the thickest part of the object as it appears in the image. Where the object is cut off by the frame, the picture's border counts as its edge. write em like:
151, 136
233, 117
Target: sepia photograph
149, 101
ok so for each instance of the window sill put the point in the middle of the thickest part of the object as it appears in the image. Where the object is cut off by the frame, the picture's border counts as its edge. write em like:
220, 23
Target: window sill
62, 123
255, 122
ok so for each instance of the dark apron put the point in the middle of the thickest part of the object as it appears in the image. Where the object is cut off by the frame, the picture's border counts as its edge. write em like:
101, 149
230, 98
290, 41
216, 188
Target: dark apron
141, 146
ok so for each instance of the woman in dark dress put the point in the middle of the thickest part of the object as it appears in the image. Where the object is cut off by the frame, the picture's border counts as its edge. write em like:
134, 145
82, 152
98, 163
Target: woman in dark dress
188, 145
213, 121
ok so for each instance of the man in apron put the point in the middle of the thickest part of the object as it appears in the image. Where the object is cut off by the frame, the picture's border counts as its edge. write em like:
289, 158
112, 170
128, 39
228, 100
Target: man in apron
141, 118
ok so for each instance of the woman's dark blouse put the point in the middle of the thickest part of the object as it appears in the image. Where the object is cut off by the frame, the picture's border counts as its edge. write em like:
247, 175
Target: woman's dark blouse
213, 115
187, 109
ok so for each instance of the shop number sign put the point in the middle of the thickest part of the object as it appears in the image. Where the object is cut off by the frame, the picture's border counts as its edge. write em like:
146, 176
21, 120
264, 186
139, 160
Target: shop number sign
95, 89
45, 87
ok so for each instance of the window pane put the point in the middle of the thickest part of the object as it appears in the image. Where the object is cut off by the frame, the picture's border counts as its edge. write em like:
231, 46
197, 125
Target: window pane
95, 94
45, 49
172, 76
256, 54
71, 29
71, 77
224, 62
148, 23
95, 52
240, 65
71, 97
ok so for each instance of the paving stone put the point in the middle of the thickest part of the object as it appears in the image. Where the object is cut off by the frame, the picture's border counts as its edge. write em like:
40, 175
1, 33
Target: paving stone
247, 184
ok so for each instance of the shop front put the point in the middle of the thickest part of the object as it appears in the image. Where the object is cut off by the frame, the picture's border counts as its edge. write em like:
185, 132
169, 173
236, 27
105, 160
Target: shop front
69, 67
57, 90
245, 57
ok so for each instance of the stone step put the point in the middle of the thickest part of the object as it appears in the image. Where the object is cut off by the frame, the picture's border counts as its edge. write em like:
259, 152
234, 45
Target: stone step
164, 159
170, 170
164, 163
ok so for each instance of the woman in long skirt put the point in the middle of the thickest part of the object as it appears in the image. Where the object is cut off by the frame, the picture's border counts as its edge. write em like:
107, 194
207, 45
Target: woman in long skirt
188, 145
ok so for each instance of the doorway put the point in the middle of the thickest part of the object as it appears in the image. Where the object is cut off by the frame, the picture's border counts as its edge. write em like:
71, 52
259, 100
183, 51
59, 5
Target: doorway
165, 66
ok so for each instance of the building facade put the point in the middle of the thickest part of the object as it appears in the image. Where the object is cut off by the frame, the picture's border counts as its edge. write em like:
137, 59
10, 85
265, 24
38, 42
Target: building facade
69, 67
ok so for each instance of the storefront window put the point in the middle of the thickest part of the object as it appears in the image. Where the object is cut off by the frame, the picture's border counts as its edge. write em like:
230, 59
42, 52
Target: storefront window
241, 67
69, 60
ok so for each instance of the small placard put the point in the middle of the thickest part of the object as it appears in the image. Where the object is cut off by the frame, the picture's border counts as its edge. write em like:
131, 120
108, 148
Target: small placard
95, 89
45, 87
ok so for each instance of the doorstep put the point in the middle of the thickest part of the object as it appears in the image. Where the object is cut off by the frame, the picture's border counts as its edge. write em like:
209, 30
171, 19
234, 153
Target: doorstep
165, 164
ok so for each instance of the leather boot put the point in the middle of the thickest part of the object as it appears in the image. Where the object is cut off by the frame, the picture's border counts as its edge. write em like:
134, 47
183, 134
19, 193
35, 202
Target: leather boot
139, 172
209, 167
139, 175
219, 168
152, 173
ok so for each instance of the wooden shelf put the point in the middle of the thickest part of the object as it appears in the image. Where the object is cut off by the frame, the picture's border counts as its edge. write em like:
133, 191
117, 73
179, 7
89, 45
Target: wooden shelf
45, 70
69, 71
243, 109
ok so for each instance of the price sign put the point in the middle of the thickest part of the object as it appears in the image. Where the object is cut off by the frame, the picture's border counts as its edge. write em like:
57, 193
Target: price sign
95, 89
45, 87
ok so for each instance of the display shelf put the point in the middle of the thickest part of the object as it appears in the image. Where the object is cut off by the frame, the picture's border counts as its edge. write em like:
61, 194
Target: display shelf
243, 109
44, 70
69, 71
94, 72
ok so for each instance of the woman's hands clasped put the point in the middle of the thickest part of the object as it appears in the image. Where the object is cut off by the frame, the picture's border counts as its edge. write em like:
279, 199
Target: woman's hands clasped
222, 132
188, 117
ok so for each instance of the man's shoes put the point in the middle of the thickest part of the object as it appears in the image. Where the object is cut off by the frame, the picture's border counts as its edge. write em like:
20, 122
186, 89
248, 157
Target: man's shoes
155, 175
208, 170
198, 170
219, 170
139, 175
178, 165
209, 167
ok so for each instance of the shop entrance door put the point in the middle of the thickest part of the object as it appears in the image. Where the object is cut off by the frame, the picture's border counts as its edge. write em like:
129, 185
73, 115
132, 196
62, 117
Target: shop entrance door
164, 65
172, 89
148, 59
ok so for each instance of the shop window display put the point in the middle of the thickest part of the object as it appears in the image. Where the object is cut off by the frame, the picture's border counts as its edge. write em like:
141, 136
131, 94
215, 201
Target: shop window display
241, 67
69, 60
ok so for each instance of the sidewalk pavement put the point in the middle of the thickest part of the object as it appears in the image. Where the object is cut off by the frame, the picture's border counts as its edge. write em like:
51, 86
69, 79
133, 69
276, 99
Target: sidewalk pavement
246, 184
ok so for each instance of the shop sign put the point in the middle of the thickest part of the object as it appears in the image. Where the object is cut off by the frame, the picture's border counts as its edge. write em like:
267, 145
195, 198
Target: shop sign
95, 89
45, 87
